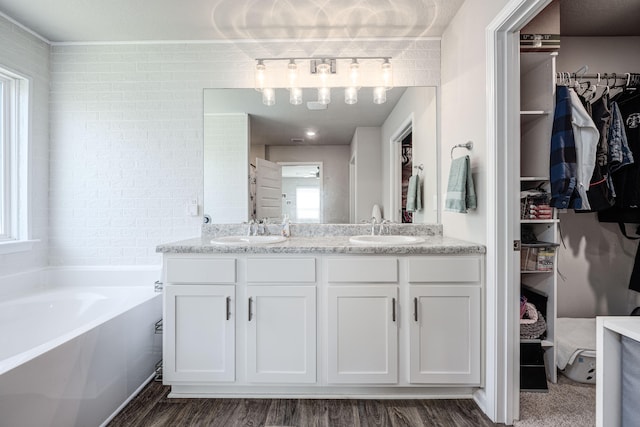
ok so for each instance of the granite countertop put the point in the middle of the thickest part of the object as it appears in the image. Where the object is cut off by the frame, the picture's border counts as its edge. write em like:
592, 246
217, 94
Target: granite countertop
325, 245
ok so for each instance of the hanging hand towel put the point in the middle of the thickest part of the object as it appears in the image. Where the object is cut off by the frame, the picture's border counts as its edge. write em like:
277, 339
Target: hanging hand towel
414, 196
461, 194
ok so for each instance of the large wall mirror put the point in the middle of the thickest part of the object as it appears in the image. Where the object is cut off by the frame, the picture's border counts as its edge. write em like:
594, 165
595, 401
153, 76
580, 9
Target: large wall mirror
319, 163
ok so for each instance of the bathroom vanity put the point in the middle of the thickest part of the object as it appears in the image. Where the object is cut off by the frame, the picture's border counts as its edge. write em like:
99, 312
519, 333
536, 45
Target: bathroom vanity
317, 315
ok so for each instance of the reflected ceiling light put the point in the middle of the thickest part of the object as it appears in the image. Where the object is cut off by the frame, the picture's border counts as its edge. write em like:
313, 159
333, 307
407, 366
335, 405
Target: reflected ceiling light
324, 68
268, 96
311, 133
379, 95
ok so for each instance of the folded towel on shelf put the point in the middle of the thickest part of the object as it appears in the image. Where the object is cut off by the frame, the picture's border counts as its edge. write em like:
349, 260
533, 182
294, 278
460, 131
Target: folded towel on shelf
461, 194
414, 196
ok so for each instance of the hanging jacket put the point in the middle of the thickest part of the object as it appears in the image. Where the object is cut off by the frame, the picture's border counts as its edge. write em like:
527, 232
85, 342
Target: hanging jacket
627, 179
562, 165
585, 136
601, 193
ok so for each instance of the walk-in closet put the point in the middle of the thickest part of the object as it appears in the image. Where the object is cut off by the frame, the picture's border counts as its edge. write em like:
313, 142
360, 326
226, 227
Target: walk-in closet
576, 263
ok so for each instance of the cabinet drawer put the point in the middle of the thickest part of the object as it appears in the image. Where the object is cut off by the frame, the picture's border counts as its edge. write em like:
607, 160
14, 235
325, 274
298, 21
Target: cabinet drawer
361, 269
281, 270
444, 269
200, 270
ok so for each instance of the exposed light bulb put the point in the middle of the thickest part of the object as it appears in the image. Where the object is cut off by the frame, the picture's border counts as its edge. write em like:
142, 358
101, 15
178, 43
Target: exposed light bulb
379, 95
387, 74
324, 70
260, 75
268, 96
295, 95
292, 73
351, 95
324, 95
354, 72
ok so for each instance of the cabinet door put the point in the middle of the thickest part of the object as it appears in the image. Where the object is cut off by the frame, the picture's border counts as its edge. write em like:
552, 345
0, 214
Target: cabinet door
362, 334
199, 334
445, 335
281, 334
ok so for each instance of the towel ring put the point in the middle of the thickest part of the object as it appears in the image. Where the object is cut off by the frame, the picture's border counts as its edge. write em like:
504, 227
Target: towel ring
467, 145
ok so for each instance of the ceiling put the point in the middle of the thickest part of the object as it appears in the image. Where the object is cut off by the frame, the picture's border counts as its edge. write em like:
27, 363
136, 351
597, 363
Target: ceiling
154, 20
600, 18
164, 20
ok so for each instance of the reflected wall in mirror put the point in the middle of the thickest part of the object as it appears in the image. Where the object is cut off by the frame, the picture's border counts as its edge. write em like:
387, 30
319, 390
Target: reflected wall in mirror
358, 148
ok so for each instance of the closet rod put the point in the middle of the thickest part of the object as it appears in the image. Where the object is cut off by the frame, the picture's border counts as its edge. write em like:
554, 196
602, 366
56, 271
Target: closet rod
601, 76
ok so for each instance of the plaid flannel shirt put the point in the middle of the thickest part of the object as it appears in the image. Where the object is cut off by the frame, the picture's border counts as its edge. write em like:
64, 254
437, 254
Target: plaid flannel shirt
563, 166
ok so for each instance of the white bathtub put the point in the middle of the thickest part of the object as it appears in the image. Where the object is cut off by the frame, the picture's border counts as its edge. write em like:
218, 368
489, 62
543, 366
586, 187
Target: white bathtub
74, 355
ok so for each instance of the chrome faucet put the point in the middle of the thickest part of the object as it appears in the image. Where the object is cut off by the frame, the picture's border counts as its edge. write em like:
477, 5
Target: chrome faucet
384, 227
373, 225
251, 228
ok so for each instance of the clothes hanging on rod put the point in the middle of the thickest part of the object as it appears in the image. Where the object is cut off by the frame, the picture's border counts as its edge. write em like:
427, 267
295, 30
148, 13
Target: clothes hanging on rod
590, 139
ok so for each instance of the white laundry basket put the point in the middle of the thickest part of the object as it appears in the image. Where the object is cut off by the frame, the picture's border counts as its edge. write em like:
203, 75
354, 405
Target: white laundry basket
583, 368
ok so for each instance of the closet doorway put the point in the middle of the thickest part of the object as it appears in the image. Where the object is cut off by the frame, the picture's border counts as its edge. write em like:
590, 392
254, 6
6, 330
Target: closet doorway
401, 169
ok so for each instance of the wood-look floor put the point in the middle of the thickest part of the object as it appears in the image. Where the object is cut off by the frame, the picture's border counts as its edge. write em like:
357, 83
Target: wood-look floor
152, 408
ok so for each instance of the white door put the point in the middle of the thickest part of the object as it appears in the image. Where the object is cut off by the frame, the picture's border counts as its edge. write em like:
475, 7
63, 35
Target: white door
363, 334
199, 333
268, 189
445, 334
281, 334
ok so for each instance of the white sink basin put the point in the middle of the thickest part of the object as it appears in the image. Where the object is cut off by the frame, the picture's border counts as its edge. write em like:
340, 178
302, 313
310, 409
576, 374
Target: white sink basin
385, 240
247, 240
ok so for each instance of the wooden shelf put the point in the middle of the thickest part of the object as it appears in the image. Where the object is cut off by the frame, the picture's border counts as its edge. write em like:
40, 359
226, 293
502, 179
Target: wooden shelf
539, 221
536, 272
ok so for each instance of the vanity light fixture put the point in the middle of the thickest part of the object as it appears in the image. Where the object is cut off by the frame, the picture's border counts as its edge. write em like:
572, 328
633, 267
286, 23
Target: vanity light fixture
295, 96
324, 68
260, 75
268, 96
324, 95
351, 92
387, 74
379, 95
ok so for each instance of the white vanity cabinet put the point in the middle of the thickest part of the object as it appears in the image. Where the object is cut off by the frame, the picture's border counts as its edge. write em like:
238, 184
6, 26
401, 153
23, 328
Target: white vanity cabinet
322, 324
281, 320
445, 324
362, 337
199, 320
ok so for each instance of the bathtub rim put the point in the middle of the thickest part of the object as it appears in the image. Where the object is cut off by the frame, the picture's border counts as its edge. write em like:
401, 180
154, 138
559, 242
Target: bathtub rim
51, 279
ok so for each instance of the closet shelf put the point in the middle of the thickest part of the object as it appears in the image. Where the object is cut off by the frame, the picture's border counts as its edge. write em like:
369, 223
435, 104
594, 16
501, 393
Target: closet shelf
530, 116
533, 178
539, 221
543, 343
536, 271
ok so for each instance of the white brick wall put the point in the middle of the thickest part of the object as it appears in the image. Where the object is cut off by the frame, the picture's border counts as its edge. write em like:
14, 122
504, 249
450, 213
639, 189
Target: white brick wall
126, 135
27, 55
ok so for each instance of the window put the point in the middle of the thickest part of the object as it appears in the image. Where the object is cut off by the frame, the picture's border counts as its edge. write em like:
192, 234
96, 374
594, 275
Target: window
13, 160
